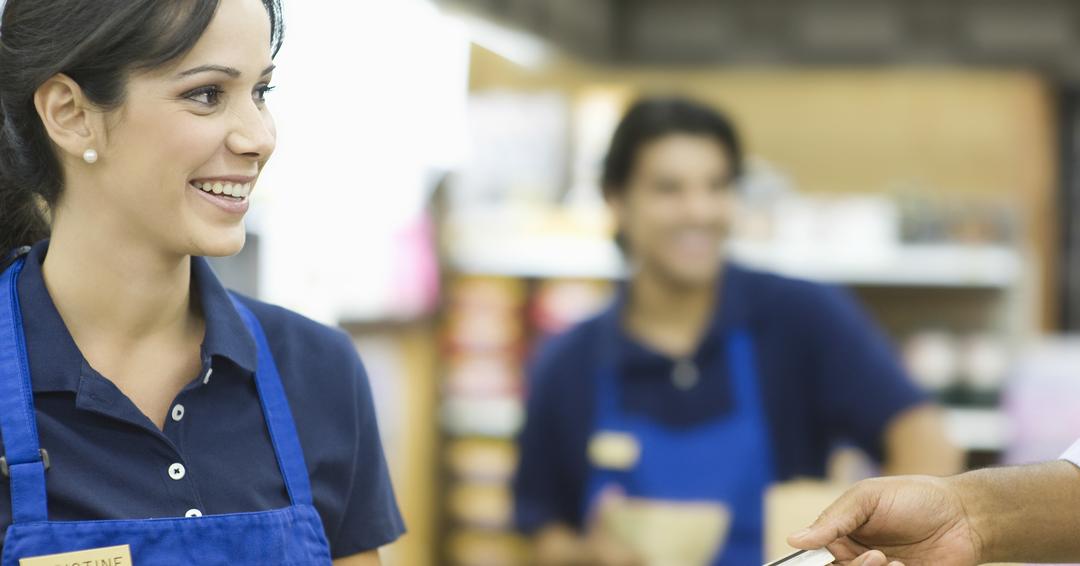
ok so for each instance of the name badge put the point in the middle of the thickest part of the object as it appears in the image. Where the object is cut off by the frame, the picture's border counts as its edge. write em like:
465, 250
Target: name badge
614, 450
111, 556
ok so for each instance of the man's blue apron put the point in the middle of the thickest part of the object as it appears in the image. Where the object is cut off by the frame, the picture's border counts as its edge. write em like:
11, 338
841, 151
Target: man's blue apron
726, 460
290, 536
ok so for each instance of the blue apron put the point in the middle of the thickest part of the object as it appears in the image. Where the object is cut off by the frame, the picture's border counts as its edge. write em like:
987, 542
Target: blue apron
290, 536
726, 460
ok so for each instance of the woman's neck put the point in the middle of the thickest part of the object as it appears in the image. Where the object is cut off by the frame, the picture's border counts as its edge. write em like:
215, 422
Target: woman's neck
114, 292
668, 316
129, 308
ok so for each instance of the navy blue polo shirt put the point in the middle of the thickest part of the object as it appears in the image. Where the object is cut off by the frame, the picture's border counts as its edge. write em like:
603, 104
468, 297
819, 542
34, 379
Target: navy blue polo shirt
109, 461
827, 375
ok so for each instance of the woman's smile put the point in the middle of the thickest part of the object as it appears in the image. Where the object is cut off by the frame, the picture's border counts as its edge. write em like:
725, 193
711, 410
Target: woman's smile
230, 194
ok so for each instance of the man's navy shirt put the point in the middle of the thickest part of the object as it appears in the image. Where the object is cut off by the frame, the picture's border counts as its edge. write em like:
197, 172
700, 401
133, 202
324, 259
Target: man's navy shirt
109, 461
827, 375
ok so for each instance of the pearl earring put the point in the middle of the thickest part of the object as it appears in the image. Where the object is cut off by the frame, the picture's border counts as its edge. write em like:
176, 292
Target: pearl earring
90, 156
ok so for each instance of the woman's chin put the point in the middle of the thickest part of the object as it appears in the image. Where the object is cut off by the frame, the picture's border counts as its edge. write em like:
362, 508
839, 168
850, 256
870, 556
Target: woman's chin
224, 246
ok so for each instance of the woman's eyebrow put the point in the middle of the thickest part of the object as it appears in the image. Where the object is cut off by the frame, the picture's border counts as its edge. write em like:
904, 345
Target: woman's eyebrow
230, 71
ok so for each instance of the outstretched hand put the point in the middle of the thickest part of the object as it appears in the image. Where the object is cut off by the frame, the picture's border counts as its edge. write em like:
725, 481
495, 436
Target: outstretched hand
901, 521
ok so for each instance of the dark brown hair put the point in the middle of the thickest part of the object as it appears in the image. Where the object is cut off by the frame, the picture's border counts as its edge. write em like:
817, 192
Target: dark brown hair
652, 118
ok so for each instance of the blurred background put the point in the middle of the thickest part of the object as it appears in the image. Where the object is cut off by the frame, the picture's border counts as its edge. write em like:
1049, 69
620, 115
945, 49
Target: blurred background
435, 193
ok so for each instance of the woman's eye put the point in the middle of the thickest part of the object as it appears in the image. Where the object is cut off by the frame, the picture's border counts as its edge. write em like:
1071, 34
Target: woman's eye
261, 91
207, 96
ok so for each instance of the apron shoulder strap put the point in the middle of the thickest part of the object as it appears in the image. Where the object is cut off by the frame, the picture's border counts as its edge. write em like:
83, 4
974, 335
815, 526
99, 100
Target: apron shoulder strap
23, 458
279, 419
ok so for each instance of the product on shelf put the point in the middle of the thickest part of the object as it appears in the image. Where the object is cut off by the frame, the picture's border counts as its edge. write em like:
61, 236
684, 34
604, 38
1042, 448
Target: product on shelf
559, 304
486, 417
1041, 399
494, 374
482, 505
486, 293
472, 547
931, 357
984, 362
481, 460
484, 330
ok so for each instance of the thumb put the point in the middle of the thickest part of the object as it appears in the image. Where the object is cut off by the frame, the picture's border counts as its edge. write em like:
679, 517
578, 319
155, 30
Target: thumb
841, 519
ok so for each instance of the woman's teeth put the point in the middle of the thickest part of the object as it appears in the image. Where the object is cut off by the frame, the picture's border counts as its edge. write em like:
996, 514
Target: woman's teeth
228, 189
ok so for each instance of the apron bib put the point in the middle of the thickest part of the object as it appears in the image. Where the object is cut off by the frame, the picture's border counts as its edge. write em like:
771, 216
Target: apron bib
725, 461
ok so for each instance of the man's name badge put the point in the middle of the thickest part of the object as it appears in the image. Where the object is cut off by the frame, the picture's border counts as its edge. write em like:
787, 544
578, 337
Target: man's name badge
111, 556
612, 450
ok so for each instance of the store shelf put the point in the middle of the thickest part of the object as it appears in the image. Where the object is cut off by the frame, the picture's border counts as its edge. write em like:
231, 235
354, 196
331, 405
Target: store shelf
984, 430
925, 265
485, 335
929, 265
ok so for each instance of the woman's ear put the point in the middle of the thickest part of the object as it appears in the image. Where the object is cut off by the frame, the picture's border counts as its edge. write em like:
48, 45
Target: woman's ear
73, 124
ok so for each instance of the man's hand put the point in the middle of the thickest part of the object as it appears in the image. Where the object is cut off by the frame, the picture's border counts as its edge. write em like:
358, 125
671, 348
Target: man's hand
903, 521
558, 545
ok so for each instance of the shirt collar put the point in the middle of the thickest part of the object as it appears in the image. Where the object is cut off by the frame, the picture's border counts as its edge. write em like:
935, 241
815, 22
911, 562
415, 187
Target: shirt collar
226, 334
55, 360
730, 313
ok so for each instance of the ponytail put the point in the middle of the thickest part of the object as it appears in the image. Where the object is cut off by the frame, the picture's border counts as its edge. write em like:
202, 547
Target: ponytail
22, 214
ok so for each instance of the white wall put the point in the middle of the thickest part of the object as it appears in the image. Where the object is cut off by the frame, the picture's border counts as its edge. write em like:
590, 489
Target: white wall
370, 101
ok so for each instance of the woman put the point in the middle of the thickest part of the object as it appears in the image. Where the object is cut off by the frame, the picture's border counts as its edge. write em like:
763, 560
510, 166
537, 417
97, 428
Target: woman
705, 381
147, 415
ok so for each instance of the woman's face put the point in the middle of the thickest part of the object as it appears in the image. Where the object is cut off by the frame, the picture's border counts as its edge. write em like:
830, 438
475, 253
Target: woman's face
185, 149
676, 209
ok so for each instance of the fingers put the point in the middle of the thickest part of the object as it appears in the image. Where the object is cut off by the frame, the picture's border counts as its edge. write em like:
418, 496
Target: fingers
841, 519
872, 558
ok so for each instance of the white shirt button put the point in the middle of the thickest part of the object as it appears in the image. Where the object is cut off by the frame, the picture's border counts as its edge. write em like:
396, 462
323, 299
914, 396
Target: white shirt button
193, 513
177, 412
177, 471
685, 375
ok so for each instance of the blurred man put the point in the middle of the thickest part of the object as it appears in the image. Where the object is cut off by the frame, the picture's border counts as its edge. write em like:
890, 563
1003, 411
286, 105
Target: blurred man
704, 382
